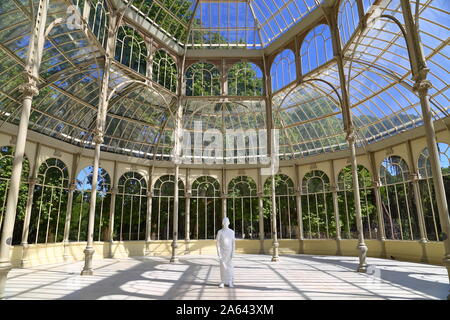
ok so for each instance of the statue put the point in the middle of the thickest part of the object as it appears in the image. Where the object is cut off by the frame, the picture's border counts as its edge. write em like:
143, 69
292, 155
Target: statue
225, 243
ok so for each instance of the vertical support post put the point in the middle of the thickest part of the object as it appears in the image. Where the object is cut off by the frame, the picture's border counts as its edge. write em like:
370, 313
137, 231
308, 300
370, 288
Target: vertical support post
298, 199
260, 195
112, 210
334, 191
359, 225
261, 221
187, 215
379, 204
26, 223
422, 87
72, 187
89, 251
148, 227
223, 195
415, 183
273, 214
351, 136
148, 220
30, 90
175, 218
98, 140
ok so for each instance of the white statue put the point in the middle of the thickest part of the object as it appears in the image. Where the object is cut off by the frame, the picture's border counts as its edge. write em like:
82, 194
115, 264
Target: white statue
225, 250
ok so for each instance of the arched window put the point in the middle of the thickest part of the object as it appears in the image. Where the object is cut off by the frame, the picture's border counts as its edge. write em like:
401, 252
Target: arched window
6, 162
131, 207
131, 50
162, 208
206, 213
316, 48
399, 214
348, 19
287, 225
283, 70
164, 70
317, 205
98, 20
80, 208
242, 207
428, 197
245, 79
347, 203
202, 79
49, 202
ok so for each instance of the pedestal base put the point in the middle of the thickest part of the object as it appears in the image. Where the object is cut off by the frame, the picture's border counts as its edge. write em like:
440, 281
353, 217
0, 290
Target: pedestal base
87, 270
4, 270
362, 269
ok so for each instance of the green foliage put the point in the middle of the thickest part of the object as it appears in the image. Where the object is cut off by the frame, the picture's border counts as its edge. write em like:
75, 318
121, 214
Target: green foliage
243, 80
6, 162
131, 49
242, 207
165, 70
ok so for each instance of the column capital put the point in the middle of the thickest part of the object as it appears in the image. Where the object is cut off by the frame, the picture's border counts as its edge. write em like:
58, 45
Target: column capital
29, 88
98, 136
351, 136
188, 194
334, 188
149, 194
422, 86
114, 190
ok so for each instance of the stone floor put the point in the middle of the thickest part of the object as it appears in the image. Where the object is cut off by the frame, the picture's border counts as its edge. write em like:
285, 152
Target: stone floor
256, 278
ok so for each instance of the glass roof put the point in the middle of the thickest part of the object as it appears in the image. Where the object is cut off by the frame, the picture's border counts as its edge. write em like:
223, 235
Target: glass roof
249, 24
141, 111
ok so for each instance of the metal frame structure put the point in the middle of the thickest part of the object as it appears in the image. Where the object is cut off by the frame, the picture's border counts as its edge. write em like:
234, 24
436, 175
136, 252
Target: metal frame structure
385, 76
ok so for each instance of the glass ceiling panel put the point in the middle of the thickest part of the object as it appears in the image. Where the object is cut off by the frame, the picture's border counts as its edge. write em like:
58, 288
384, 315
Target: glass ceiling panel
251, 24
140, 117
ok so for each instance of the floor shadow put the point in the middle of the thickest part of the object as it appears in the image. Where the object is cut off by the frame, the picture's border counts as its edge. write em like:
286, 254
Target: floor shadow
395, 277
188, 281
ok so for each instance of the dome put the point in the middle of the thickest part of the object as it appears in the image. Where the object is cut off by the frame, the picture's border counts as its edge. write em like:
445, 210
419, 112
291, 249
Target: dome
264, 49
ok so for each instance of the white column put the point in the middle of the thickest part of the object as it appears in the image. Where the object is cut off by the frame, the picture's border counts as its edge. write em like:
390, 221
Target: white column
261, 221
175, 218
422, 87
72, 188
148, 224
89, 251
301, 236
29, 89
187, 236
273, 214
98, 140
334, 192
362, 248
26, 223
112, 211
